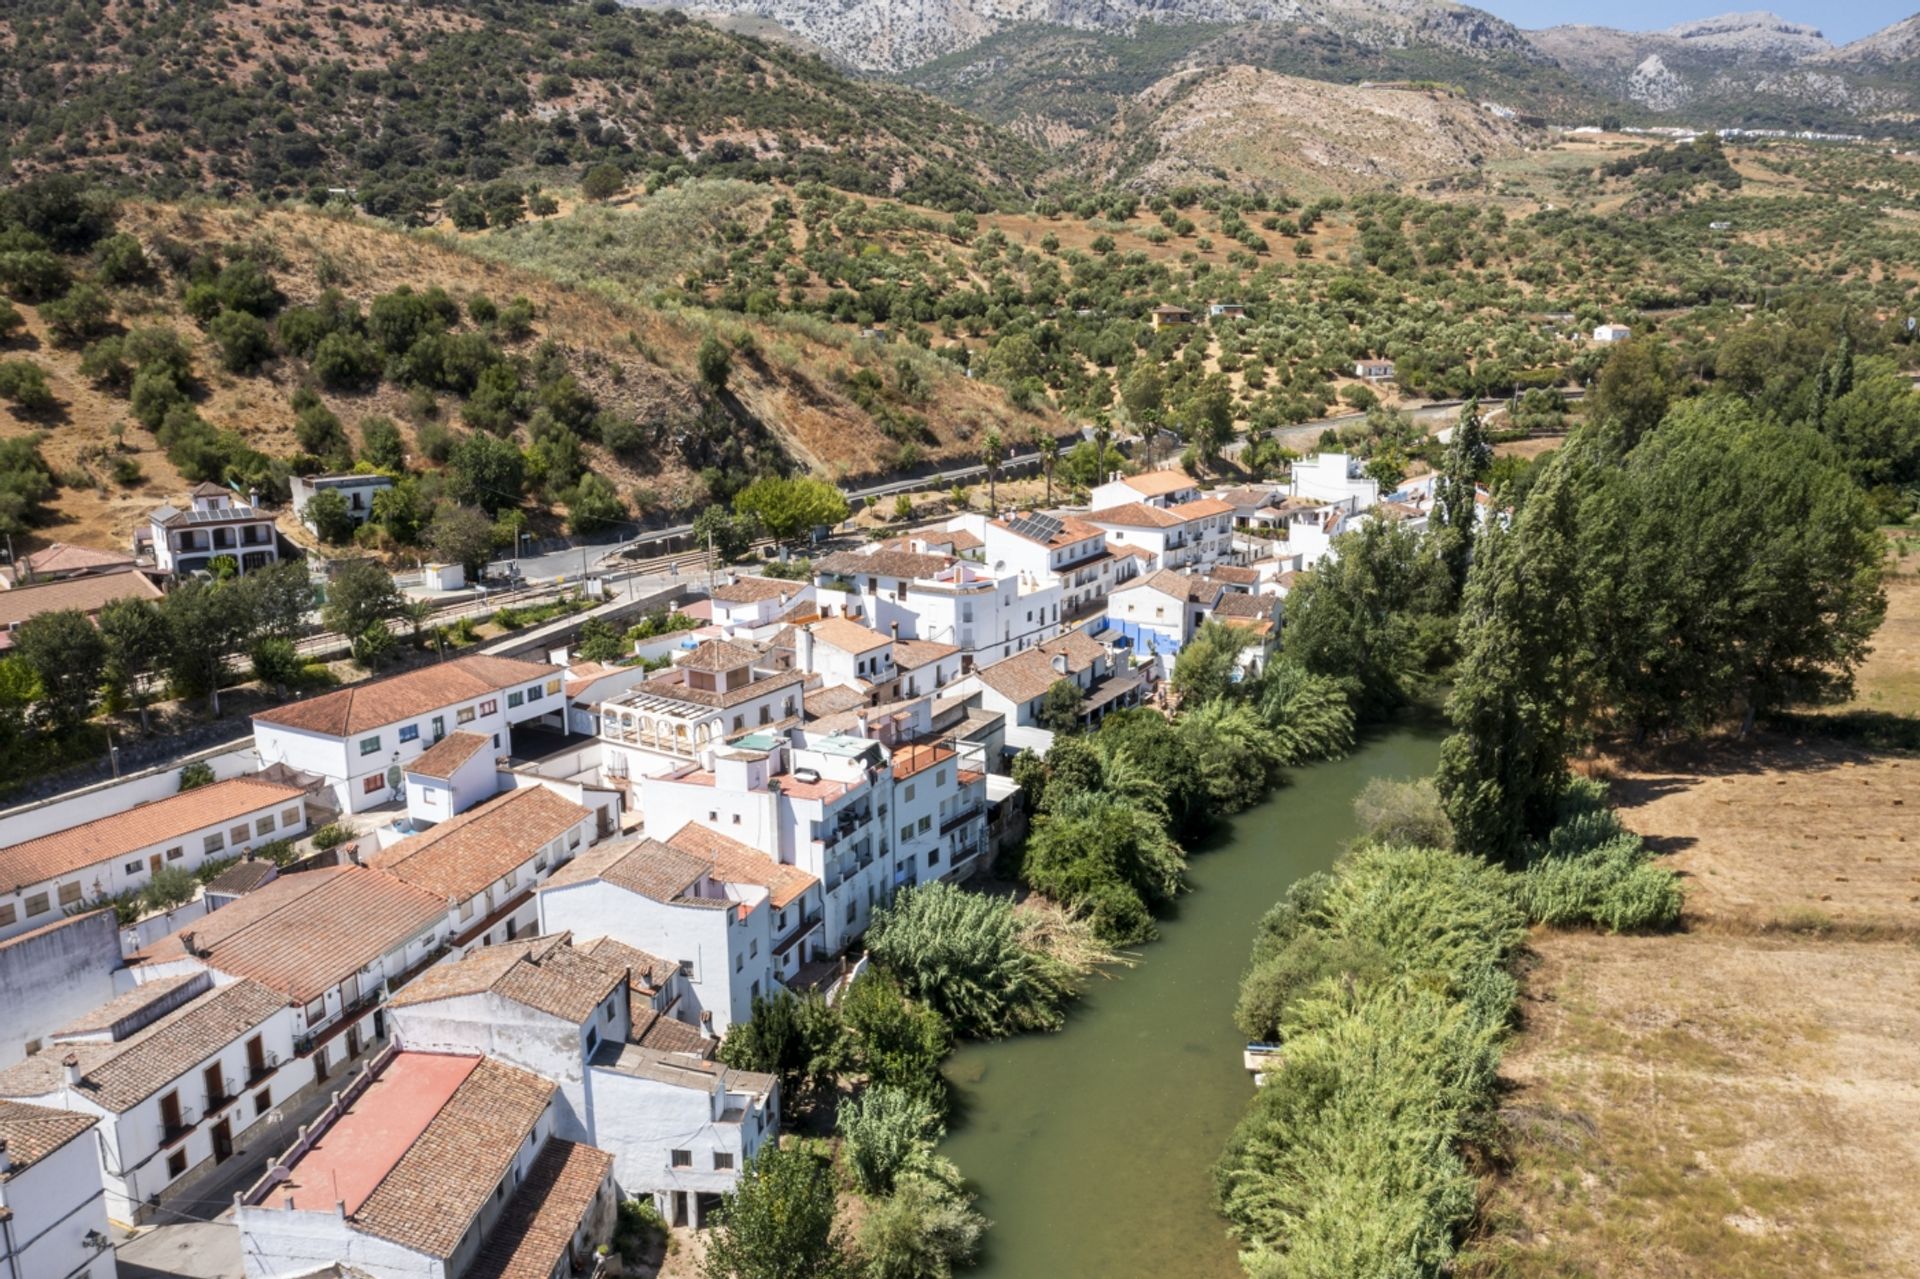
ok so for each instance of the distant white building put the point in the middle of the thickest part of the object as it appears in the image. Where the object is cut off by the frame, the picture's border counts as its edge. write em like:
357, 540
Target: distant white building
750, 603
1336, 479
53, 1216
1155, 488
1198, 531
985, 614
211, 525
1606, 334
1018, 686
1373, 370
1064, 551
719, 689
356, 490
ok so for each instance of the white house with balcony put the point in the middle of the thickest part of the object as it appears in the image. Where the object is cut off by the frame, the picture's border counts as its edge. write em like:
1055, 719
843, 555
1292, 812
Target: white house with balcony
1195, 532
713, 916
357, 490
212, 524
53, 1218
719, 689
1335, 479
1060, 550
750, 604
986, 615
330, 942
42, 879
360, 738
182, 1077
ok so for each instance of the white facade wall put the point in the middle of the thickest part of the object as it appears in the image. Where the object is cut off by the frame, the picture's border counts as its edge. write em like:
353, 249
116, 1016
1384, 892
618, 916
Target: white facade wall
44, 902
54, 1203
552, 1047
643, 1121
924, 681
709, 942
49, 979
357, 768
1328, 477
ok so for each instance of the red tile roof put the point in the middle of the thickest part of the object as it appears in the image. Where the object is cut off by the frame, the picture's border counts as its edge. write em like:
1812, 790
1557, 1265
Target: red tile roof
88, 593
732, 862
61, 559
34, 1132
1158, 483
460, 857
537, 1229
1202, 507
1136, 515
848, 637
304, 934
142, 826
442, 759
359, 708
548, 974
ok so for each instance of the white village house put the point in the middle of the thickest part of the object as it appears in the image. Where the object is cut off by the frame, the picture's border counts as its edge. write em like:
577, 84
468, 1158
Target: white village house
53, 1218
186, 540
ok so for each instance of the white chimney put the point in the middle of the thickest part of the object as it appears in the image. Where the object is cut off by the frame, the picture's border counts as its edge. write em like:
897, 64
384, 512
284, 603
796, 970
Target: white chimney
72, 1063
1059, 663
803, 649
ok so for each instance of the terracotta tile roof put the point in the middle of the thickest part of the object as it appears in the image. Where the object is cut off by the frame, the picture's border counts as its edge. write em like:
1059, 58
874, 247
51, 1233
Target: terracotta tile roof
1136, 515
243, 877
835, 699
304, 934
644, 970
62, 559
143, 826
1238, 574
733, 862
359, 708
673, 686
154, 995
1201, 507
680, 1070
1028, 675
119, 1076
667, 1034
460, 857
911, 655
719, 655
881, 563
547, 974
432, 1194
583, 675
207, 488
89, 593
1181, 586
644, 866
537, 1229
1158, 483
442, 759
918, 758
1253, 607
848, 637
752, 590
34, 1132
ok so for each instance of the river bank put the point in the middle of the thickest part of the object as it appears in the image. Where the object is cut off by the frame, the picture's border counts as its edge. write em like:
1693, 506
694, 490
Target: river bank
1092, 1148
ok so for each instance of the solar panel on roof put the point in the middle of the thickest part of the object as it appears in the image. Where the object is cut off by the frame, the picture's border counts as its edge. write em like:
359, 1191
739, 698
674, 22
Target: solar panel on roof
1041, 528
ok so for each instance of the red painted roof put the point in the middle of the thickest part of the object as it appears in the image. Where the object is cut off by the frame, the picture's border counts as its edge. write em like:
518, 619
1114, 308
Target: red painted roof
356, 1153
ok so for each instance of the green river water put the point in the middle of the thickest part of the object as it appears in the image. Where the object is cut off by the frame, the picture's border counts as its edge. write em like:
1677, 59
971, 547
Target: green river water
1091, 1148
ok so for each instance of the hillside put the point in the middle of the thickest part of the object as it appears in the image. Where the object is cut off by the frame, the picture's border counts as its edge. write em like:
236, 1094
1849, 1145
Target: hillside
1057, 86
878, 35
406, 101
799, 395
1256, 130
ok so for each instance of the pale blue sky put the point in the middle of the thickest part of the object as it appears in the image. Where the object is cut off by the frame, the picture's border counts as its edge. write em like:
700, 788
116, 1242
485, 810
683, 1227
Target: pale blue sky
1841, 20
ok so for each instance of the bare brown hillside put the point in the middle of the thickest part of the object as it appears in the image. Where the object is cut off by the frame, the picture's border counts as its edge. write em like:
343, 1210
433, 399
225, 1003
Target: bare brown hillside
1258, 129
790, 394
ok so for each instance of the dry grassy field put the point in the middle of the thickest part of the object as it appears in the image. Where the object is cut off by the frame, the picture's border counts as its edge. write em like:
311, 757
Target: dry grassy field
1737, 1099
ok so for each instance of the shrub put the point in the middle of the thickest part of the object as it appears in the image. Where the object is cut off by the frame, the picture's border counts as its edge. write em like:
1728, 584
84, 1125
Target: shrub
24, 385
332, 835
924, 1230
885, 1131
196, 775
243, 340
1405, 812
963, 954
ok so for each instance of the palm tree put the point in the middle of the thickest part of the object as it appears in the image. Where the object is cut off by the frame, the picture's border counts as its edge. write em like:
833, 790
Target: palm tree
991, 449
1102, 441
1049, 458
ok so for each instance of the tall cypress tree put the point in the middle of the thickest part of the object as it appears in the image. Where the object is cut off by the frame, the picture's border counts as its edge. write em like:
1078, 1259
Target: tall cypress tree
1505, 766
1455, 511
